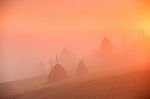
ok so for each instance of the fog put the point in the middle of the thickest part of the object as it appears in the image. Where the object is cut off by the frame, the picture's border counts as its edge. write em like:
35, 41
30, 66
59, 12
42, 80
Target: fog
33, 31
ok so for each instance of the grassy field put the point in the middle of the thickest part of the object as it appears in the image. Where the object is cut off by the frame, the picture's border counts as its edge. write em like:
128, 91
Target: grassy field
21, 86
135, 85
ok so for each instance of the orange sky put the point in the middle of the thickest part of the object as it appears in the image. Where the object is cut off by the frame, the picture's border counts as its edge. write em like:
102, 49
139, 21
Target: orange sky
71, 15
30, 27
65, 19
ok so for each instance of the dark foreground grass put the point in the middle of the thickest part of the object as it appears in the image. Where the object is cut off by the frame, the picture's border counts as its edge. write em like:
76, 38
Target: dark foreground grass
126, 86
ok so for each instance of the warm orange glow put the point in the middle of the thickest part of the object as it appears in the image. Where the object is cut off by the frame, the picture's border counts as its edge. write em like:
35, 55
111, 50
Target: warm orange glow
74, 49
145, 26
36, 30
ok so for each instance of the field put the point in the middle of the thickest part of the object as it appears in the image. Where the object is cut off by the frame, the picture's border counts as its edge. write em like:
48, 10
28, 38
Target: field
133, 85
21, 86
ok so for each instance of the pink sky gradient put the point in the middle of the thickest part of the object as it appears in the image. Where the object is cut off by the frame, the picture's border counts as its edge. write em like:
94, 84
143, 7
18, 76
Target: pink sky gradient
39, 29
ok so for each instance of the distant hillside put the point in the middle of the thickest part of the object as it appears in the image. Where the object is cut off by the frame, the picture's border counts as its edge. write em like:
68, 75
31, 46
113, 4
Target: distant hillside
133, 85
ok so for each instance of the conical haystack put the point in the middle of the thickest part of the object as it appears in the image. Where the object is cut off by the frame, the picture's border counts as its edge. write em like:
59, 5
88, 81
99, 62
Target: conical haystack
57, 73
81, 69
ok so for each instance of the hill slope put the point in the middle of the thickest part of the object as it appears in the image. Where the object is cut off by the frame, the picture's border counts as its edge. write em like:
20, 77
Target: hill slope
20, 86
133, 85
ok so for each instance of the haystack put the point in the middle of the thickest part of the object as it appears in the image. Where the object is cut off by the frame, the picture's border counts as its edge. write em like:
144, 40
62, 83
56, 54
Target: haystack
57, 73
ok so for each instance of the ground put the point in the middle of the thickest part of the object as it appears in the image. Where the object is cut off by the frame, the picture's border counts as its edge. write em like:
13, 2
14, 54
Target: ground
133, 85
